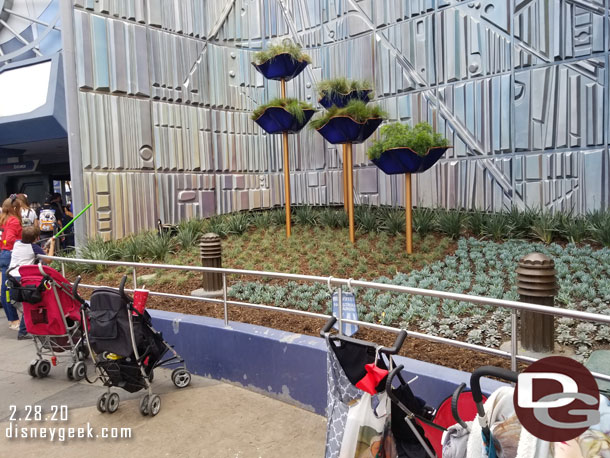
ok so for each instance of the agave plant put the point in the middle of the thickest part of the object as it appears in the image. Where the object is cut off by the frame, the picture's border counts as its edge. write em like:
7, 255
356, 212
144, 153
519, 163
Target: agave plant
158, 246
600, 227
217, 225
238, 223
262, 220
476, 222
451, 223
333, 218
188, 236
574, 228
498, 226
305, 216
393, 221
132, 248
366, 219
279, 217
545, 227
424, 220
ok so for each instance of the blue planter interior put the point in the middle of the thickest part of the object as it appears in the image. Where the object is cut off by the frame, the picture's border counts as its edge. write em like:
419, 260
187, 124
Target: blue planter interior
343, 129
405, 160
276, 120
340, 100
281, 67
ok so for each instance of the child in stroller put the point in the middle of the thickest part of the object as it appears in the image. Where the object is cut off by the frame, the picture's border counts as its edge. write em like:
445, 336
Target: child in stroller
125, 349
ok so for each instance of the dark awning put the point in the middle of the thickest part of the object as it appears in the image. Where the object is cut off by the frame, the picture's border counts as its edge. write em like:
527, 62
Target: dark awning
32, 103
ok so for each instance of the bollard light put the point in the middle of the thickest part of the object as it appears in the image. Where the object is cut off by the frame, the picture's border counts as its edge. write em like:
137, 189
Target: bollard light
537, 284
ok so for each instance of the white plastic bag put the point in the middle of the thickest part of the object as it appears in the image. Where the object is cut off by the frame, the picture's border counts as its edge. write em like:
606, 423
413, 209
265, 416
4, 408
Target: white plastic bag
368, 432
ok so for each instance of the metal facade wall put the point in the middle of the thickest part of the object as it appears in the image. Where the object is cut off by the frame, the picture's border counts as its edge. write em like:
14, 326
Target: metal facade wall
166, 89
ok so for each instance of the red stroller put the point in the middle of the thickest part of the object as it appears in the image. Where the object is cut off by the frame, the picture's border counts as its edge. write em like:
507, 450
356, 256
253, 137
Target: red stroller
52, 315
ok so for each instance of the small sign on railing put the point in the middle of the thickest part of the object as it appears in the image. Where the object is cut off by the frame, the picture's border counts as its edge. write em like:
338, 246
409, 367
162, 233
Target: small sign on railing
350, 312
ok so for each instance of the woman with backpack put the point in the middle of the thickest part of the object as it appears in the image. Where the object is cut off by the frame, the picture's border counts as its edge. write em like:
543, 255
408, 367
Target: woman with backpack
10, 224
28, 216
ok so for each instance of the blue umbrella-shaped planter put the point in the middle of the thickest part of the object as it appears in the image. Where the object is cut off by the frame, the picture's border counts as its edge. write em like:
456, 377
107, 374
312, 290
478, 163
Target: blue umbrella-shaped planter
404, 160
395, 161
275, 120
281, 67
344, 129
340, 100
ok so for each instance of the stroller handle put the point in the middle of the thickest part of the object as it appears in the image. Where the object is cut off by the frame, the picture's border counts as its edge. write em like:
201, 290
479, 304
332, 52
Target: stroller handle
328, 326
388, 383
498, 372
400, 338
122, 288
454, 405
75, 290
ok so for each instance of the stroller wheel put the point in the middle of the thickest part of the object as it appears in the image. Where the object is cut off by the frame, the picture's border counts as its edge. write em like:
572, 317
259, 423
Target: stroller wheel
69, 373
42, 368
83, 352
112, 404
181, 377
154, 405
79, 370
144, 405
32, 368
102, 402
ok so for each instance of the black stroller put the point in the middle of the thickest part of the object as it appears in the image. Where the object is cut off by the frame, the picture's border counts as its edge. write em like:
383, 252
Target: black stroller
125, 348
349, 363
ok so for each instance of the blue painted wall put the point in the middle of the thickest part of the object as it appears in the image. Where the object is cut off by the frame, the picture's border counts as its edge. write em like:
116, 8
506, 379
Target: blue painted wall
290, 367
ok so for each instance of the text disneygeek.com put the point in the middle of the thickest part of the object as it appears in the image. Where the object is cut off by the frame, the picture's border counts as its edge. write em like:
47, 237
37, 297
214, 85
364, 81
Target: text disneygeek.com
63, 433
33, 416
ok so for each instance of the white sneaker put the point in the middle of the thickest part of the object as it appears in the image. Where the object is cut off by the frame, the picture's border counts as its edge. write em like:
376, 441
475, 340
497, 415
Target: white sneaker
14, 326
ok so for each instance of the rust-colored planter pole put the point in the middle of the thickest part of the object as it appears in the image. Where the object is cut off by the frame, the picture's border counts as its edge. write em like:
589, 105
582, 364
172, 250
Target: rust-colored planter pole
345, 177
286, 171
350, 193
408, 214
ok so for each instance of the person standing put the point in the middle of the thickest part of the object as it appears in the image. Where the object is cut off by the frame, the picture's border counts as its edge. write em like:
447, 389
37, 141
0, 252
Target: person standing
24, 253
10, 224
28, 216
48, 220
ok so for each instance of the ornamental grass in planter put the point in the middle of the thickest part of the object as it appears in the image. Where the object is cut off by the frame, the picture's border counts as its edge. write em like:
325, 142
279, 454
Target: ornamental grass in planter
281, 61
283, 115
406, 149
353, 123
339, 91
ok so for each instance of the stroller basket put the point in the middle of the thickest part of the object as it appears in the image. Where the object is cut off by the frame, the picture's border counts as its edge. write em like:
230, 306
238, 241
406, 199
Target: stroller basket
122, 373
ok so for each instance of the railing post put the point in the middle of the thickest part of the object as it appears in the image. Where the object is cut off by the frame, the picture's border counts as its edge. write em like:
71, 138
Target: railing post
340, 312
63, 269
224, 298
135, 278
513, 340
536, 284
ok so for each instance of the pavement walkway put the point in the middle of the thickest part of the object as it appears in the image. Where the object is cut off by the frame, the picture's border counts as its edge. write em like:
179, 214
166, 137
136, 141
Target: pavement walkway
207, 419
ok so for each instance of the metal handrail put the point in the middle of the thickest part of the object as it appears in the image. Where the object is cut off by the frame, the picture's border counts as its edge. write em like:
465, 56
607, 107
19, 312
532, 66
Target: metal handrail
340, 282
586, 316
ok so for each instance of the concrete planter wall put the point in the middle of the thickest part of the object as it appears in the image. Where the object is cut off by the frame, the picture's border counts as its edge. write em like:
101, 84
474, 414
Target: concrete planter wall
287, 366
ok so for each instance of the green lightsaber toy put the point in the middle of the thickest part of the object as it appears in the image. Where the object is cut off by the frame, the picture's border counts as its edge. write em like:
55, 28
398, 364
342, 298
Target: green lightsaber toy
72, 220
